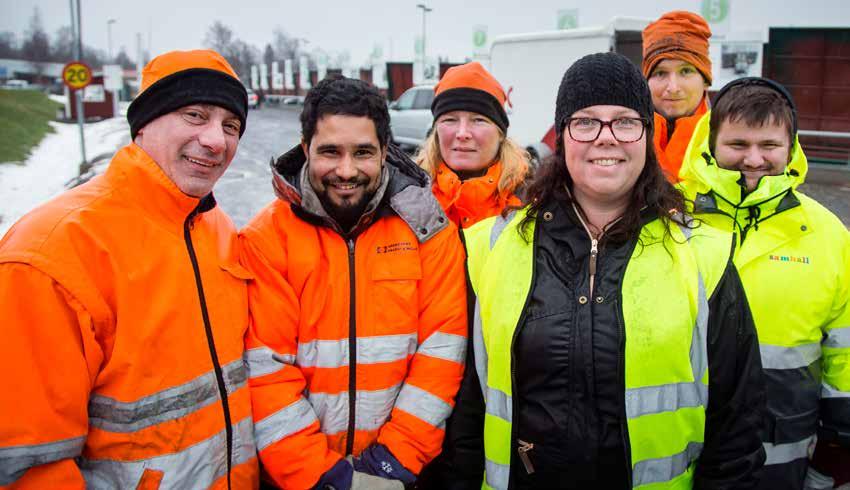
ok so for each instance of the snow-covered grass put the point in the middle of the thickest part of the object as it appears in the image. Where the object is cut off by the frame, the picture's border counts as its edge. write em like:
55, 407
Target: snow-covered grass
54, 163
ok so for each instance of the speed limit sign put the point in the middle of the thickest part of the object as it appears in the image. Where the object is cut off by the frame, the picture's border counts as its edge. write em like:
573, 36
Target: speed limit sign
76, 75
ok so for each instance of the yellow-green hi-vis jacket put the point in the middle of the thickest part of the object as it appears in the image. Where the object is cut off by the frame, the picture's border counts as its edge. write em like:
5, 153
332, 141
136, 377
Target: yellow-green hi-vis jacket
793, 256
666, 375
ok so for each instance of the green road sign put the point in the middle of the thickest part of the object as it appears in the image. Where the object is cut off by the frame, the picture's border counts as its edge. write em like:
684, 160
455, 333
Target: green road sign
715, 11
567, 19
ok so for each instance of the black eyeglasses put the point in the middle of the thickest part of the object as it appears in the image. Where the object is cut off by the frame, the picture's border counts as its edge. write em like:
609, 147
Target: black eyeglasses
624, 129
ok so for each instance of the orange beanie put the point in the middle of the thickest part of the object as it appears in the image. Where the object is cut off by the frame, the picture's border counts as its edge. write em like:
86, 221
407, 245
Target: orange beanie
677, 35
180, 78
469, 87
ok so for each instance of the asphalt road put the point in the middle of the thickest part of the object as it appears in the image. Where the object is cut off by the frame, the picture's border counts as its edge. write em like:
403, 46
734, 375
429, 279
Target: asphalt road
246, 186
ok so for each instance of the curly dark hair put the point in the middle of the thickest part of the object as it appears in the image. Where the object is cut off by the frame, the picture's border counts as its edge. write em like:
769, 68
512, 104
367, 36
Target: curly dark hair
651, 190
337, 95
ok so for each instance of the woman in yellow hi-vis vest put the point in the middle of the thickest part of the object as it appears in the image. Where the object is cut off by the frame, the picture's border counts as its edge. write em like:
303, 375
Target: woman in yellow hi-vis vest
612, 342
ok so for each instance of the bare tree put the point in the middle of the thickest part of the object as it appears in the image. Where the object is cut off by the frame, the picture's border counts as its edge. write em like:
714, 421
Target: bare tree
124, 60
8, 45
36, 47
219, 38
269, 55
63, 45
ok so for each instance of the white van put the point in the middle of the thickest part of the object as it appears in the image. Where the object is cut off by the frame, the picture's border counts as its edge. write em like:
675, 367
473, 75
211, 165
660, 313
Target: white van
530, 67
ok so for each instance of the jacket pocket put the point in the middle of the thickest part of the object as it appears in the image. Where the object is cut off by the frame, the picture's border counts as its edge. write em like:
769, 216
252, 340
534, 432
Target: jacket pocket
793, 428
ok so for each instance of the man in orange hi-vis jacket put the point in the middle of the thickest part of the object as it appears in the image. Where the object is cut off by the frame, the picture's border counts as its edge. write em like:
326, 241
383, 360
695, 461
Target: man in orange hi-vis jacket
358, 307
124, 307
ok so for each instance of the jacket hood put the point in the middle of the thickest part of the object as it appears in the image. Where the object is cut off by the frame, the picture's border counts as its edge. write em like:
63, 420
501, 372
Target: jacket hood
406, 191
701, 174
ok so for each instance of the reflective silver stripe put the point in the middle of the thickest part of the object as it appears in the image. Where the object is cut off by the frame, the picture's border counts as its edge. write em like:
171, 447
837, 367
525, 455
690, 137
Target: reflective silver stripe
496, 475
499, 226
292, 418
665, 469
499, 404
116, 416
444, 346
370, 350
776, 357
838, 338
664, 398
785, 453
828, 391
196, 467
372, 409
479, 350
262, 361
423, 405
16, 460
699, 341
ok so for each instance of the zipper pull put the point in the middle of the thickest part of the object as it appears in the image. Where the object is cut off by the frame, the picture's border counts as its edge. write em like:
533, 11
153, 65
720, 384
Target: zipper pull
523, 449
594, 251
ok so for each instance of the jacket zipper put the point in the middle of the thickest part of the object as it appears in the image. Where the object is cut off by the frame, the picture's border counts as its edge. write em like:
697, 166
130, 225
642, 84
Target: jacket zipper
594, 246
219, 376
624, 428
520, 322
352, 349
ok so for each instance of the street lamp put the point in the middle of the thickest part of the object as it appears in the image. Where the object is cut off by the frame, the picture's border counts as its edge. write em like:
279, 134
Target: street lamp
109, 37
425, 10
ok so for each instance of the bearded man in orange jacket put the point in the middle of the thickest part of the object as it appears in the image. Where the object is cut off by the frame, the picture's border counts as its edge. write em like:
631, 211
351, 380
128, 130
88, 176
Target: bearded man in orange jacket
358, 308
124, 307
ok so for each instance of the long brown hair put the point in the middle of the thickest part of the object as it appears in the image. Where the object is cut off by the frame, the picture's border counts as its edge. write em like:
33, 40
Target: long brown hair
651, 191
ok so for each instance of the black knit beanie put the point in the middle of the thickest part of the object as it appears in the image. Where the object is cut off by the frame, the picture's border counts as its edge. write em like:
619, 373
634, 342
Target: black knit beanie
602, 79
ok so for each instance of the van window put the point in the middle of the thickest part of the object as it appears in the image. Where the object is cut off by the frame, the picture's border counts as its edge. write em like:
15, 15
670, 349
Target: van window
424, 97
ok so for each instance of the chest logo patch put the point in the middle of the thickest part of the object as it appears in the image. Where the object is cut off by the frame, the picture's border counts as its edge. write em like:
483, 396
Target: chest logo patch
790, 258
396, 247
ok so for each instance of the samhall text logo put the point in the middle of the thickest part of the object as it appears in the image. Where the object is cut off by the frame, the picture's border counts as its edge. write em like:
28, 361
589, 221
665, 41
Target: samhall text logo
790, 258
396, 247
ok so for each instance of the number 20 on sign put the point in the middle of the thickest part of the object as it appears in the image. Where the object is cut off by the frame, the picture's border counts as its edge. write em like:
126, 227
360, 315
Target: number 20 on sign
76, 75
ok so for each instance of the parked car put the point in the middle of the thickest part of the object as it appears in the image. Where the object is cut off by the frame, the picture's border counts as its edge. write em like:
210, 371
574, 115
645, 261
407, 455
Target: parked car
16, 84
294, 100
410, 116
253, 99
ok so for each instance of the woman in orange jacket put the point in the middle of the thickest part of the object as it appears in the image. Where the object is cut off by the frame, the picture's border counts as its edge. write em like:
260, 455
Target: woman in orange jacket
475, 167
678, 71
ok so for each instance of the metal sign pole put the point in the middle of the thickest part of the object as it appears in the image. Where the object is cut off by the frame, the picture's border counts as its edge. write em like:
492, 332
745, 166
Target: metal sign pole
78, 94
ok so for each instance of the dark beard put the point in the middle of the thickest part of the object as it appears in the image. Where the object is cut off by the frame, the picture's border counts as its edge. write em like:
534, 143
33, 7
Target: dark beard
346, 216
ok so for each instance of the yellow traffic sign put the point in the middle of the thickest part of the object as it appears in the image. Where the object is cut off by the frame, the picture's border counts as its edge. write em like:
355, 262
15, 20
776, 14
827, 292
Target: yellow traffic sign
76, 75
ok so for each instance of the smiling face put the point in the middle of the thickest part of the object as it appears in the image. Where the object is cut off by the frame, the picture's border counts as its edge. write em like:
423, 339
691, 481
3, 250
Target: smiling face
604, 171
193, 145
677, 88
345, 160
469, 142
755, 151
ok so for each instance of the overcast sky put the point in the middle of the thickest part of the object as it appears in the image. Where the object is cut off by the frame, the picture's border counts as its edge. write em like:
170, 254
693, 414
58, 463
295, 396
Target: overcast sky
358, 25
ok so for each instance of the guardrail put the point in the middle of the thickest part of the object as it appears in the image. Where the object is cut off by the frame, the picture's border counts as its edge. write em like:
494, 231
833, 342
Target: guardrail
827, 155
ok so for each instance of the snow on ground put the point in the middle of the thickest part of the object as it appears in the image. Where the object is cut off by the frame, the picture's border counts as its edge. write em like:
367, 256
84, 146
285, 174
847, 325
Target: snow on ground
55, 163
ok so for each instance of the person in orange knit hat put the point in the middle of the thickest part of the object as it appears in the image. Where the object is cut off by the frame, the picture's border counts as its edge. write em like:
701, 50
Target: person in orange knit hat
678, 70
125, 308
476, 168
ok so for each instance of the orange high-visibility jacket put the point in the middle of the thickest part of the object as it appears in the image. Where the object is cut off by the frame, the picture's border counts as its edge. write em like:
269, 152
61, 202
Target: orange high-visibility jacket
671, 151
390, 299
124, 314
469, 201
